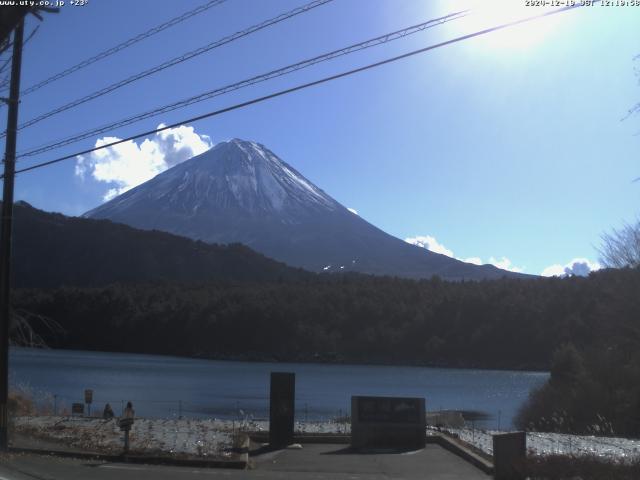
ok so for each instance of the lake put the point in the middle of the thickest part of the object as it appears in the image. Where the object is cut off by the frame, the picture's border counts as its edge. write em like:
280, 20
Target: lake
162, 386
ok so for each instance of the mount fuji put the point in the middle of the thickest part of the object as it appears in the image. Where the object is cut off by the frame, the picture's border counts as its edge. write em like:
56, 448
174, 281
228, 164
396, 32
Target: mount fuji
240, 191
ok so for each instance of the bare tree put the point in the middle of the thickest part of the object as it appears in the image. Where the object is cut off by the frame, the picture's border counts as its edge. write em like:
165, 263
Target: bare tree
23, 332
621, 247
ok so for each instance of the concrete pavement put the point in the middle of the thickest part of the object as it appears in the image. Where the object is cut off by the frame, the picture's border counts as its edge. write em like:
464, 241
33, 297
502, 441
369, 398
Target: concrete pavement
312, 462
338, 461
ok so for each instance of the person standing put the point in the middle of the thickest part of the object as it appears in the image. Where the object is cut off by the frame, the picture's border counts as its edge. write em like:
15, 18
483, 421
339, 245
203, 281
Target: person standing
129, 412
107, 413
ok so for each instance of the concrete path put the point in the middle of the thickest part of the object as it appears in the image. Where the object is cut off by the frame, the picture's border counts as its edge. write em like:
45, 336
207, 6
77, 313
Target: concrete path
337, 461
312, 462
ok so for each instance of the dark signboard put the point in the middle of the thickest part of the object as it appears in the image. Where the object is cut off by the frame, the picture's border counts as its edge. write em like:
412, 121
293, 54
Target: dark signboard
389, 410
282, 408
509, 456
388, 422
77, 409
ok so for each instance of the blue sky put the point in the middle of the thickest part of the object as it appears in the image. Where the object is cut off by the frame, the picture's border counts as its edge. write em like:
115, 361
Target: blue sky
508, 148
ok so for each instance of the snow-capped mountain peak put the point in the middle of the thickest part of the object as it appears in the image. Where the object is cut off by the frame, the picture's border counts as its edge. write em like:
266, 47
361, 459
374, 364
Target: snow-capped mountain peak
236, 175
240, 191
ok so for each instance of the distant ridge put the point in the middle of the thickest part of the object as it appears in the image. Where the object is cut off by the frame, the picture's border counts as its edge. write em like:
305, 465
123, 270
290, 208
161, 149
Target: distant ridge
52, 250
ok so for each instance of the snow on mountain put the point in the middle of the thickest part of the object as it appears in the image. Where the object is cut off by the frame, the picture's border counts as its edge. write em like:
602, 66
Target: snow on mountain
234, 174
240, 191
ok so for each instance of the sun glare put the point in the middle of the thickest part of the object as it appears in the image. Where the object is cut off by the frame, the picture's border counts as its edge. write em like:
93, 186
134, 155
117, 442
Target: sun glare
488, 13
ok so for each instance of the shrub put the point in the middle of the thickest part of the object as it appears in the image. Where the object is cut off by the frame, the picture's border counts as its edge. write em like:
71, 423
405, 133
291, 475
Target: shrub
20, 404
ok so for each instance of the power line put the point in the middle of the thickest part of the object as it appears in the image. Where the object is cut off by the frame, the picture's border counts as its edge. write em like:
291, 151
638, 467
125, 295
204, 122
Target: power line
305, 85
123, 45
177, 60
5, 64
31, 35
388, 37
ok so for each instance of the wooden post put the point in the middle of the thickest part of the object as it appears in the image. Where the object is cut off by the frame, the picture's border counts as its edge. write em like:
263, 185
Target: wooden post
126, 441
5, 236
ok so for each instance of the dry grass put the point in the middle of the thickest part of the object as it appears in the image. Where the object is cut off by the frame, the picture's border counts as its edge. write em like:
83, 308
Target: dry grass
20, 404
27, 401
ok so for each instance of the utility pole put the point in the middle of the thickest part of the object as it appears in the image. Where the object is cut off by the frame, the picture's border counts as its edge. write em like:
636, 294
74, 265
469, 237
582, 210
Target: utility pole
5, 234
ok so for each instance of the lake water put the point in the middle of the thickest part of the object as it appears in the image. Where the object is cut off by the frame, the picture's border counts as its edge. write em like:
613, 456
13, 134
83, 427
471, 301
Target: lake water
161, 386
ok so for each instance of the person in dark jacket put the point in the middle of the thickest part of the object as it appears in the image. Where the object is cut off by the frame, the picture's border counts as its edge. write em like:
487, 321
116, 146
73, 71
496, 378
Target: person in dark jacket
108, 412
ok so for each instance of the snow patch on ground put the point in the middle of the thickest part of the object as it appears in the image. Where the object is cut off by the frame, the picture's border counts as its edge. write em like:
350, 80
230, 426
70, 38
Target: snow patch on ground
213, 438
202, 438
539, 443
209, 438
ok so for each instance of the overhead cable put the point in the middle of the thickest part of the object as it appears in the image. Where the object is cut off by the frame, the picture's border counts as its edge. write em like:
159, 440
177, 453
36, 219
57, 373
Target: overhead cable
388, 37
121, 46
175, 61
304, 86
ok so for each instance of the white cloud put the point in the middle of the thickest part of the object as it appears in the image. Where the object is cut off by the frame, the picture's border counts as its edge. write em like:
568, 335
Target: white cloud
553, 271
505, 264
129, 164
578, 266
430, 243
353, 210
474, 260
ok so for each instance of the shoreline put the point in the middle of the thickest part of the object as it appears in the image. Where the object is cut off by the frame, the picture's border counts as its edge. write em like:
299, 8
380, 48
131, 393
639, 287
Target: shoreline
266, 360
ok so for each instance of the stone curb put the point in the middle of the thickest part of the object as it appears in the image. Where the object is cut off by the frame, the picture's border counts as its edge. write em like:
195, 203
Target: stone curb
263, 437
460, 450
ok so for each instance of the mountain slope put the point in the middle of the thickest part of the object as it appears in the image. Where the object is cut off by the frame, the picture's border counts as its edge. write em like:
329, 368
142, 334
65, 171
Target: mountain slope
239, 191
51, 250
